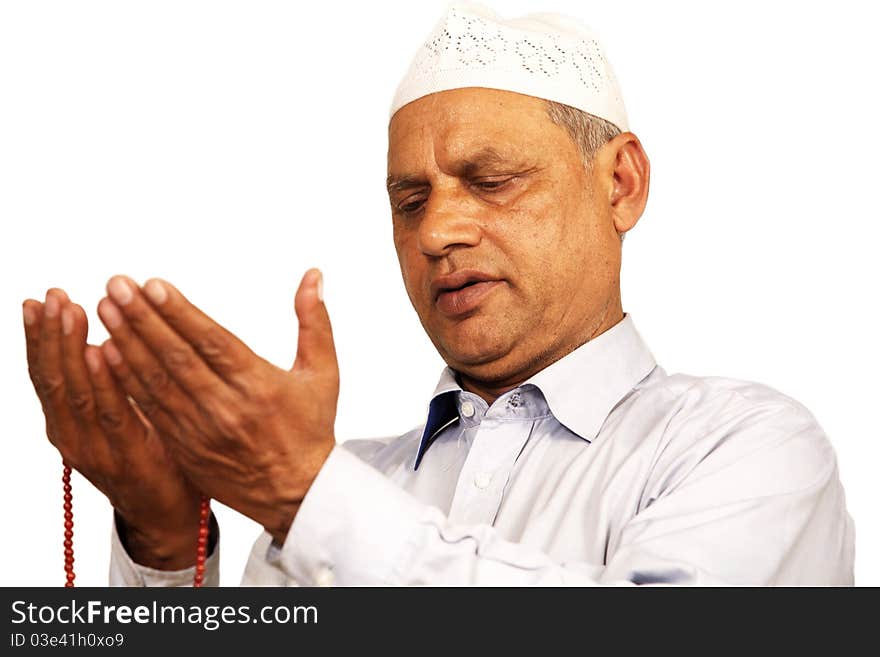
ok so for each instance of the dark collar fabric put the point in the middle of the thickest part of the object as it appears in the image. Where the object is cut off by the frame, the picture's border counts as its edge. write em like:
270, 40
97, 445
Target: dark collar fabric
581, 389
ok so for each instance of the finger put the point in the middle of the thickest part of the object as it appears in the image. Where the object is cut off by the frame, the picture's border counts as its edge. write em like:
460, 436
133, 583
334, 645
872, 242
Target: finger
50, 379
315, 349
177, 356
139, 401
61, 428
115, 414
33, 312
157, 383
221, 350
74, 328
78, 388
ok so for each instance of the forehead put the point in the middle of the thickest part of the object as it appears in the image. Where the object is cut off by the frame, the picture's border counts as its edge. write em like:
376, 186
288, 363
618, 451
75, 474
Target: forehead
452, 125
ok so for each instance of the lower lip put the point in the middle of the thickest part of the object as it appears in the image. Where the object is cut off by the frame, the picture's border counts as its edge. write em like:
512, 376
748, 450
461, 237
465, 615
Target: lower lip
459, 302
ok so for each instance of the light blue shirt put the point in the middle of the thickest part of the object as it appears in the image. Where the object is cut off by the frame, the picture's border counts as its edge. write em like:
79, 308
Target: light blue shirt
599, 470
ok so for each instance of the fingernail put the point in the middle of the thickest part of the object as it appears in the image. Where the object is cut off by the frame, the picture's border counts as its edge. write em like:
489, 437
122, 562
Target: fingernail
111, 353
155, 291
67, 321
119, 290
29, 315
110, 314
93, 360
51, 305
320, 286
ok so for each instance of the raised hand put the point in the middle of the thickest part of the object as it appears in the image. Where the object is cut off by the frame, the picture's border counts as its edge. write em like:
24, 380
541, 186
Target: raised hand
248, 433
100, 433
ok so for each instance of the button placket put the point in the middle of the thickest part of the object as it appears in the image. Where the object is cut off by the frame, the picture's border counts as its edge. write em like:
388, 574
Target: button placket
474, 499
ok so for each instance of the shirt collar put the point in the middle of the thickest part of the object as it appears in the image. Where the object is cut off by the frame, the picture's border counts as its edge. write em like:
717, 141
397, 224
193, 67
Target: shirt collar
581, 389
442, 411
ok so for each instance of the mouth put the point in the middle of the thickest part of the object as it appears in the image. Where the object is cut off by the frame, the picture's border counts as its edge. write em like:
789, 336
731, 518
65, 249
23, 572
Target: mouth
463, 291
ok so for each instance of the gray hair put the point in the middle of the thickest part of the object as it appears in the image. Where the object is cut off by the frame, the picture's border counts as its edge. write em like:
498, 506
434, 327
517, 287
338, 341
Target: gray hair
588, 132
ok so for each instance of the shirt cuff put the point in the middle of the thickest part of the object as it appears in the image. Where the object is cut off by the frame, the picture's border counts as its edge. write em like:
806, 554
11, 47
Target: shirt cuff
263, 567
125, 572
353, 528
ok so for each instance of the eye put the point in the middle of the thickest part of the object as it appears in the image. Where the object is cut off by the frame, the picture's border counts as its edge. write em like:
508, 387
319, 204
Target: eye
491, 185
410, 205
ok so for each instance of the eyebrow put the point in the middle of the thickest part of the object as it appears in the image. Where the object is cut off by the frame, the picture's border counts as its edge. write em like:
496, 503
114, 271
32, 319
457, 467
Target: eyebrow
467, 167
399, 183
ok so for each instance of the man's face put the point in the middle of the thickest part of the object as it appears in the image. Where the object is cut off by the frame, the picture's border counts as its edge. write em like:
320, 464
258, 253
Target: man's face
506, 243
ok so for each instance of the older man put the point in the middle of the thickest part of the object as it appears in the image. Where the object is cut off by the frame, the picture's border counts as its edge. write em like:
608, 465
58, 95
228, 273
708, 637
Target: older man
555, 449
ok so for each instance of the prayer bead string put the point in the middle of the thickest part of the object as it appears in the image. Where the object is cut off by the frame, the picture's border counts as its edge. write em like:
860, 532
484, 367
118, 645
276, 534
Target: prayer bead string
68, 528
201, 545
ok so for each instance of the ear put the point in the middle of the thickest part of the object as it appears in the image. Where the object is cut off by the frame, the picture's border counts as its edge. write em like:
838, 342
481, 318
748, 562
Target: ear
624, 159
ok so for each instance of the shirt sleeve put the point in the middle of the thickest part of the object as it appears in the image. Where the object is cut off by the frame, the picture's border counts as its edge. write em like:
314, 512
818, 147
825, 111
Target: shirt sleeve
370, 532
125, 572
764, 509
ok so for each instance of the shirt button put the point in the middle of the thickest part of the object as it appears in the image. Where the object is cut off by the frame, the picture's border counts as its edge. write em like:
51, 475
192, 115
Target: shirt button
483, 480
467, 409
324, 577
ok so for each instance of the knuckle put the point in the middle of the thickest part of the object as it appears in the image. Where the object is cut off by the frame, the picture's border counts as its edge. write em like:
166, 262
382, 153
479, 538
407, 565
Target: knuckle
48, 386
178, 358
229, 420
111, 421
262, 396
214, 346
146, 404
225, 419
80, 402
157, 381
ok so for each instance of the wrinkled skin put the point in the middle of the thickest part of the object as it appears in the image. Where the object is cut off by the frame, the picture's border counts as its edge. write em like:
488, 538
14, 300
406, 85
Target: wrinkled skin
479, 180
483, 179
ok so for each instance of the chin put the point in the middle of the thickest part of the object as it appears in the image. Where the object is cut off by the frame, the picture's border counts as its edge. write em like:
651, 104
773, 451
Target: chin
474, 349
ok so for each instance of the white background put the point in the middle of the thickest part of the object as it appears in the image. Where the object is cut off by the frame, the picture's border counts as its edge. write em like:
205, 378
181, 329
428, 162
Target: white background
228, 146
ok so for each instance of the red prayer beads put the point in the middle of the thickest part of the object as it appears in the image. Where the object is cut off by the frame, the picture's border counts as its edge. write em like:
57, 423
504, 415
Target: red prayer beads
201, 546
68, 527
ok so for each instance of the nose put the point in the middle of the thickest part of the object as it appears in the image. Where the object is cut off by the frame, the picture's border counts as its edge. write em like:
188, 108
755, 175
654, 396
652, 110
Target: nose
447, 223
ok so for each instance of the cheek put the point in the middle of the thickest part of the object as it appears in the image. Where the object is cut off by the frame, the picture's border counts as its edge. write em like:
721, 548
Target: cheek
553, 250
536, 241
412, 267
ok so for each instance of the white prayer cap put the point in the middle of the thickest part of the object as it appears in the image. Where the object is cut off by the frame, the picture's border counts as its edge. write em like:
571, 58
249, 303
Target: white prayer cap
549, 56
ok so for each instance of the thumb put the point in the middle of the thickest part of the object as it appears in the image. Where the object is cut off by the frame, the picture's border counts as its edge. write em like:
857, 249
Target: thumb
315, 349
